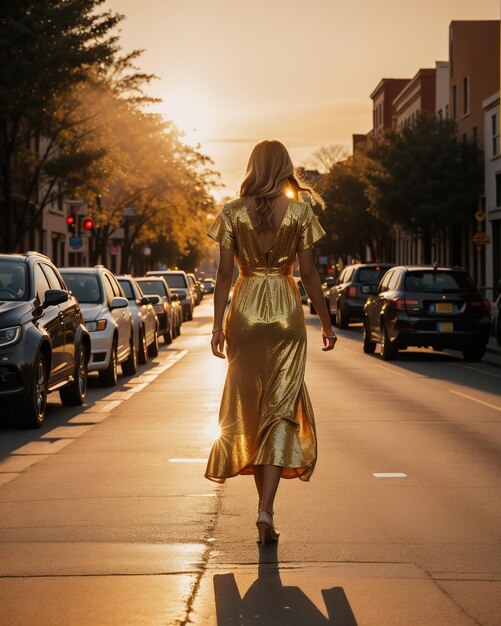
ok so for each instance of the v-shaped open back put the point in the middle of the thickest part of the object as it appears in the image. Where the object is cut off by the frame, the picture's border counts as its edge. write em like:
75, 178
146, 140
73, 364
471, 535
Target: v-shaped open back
258, 237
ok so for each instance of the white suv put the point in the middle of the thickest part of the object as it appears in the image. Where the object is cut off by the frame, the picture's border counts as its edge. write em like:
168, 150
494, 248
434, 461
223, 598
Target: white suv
108, 319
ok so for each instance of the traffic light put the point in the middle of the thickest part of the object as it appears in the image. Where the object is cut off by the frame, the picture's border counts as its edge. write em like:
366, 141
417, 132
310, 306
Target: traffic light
71, 222
85, 225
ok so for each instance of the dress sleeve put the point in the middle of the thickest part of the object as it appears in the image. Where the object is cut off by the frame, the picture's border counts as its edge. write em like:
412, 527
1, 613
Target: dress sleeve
222, 231
311, 231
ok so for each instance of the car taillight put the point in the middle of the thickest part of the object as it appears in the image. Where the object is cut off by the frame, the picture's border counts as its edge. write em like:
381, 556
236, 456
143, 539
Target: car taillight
350, 292
486, 305
400, 303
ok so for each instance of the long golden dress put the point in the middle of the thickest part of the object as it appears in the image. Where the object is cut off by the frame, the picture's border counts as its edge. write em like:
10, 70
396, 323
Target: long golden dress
265, 415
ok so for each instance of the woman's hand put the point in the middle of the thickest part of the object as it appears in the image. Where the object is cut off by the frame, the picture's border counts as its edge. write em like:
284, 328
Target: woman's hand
329, 340
217, 344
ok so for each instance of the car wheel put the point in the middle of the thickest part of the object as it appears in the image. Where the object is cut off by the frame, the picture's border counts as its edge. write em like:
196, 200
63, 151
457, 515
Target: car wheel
109, 376
142, 355
388, 351
129, 366
369, 345
153, 347
74, 393
190, 314
341, 319
474, 354
34, 407
168, 338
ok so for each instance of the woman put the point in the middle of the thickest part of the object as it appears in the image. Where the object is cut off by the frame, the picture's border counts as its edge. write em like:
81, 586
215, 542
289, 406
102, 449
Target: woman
266, 419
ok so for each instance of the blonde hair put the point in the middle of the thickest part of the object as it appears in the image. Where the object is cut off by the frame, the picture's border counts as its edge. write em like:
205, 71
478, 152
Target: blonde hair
269, 174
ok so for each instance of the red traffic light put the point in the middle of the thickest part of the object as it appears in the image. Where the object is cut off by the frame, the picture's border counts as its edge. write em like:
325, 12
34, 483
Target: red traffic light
70, 220
88, 223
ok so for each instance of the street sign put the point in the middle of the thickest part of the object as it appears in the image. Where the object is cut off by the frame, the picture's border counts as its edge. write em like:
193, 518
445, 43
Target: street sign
480, 216
480, 238
76, 243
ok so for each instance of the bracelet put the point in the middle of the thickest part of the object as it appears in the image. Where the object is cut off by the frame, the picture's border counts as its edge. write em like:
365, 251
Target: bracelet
217, 330
329, 336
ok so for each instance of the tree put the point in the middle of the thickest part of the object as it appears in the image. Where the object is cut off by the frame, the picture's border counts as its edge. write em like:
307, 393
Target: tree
46, 49
423, 178
349, 226
325, 157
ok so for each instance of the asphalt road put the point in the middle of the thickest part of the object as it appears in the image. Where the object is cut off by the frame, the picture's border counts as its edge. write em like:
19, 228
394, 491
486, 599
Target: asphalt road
105, 517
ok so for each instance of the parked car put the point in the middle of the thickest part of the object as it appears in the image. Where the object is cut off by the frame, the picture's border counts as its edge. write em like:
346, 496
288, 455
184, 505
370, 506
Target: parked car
326, 284
178, 280
427, 307
197, 288
144, 319
346, 299
44, 344
164, 307
108, 319
209, 284
496, 319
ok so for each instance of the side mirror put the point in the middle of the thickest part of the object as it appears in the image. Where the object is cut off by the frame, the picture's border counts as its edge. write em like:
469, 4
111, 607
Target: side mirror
55, 296
366, 289
174, 297
119, 303
153, 299
144, 300
180, 295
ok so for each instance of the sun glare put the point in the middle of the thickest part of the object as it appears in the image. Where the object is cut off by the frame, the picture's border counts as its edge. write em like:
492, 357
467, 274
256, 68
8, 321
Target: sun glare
191, 110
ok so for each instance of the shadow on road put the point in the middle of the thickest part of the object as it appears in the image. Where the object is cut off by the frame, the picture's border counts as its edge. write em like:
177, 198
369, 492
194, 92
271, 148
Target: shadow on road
268, 602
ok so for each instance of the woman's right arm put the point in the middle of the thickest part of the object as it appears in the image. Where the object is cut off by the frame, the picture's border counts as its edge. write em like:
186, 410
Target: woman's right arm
221, 292
313, 287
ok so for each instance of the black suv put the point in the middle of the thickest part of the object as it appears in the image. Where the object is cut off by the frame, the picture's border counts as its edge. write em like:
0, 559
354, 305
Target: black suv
427, 307
346, 299
44, 345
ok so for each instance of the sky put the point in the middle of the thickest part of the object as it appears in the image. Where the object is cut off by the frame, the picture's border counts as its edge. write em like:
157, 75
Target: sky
231, 73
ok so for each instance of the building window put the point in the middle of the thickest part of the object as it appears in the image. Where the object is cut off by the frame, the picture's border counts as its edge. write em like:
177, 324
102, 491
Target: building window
495, 135
466, 96
454, 102
498, 189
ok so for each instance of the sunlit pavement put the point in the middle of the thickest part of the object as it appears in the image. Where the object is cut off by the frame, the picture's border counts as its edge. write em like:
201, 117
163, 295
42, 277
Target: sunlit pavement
105, 517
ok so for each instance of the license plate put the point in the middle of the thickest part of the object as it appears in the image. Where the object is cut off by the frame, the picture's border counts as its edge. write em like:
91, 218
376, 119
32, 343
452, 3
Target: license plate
445, 327
443, 307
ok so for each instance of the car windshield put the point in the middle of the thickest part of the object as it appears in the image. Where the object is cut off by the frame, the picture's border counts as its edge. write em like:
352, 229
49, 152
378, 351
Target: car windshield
153, 287
371, 274
13, 283
85, 287
438, 281
127, 289
176, 281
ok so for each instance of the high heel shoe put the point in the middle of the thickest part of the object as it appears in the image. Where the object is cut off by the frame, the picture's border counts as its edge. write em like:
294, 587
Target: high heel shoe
267, 531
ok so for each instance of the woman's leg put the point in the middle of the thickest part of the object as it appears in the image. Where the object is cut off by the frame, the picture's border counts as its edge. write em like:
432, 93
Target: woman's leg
258, 479
271, 478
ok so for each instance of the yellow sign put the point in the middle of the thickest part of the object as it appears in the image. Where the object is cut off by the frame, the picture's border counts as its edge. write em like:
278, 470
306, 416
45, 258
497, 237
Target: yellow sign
480, 238
480, 216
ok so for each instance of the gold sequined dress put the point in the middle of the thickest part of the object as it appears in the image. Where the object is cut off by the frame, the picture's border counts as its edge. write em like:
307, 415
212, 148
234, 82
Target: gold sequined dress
265, 415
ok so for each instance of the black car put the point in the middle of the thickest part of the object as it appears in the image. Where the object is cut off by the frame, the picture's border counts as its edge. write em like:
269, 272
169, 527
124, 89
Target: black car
346, 299
44, 344
427, 307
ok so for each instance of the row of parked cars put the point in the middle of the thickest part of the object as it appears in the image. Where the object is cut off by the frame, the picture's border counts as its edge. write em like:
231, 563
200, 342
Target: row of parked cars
56, 325
404, 306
